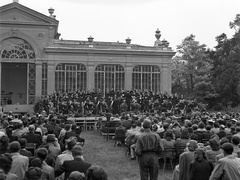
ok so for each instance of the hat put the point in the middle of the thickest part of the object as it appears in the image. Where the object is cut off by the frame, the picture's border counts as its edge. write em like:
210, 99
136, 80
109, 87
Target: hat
192, 145
75, 175
50, 137
146, 123
34, 173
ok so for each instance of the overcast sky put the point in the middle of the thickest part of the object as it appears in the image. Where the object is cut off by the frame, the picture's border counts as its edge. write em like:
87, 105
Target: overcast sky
115, 20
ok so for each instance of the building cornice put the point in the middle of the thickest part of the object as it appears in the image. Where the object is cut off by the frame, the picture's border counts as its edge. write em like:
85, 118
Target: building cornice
61, 50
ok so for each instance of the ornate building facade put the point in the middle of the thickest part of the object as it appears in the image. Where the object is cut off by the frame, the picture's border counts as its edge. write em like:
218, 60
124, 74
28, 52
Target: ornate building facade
34, 62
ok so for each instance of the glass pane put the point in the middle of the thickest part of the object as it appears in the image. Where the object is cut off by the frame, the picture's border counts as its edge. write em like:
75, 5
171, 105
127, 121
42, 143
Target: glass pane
16, 48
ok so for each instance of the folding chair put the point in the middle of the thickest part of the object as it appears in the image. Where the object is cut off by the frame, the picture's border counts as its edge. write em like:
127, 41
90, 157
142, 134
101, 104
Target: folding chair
90, 122
31, 147
168, 157
80, 121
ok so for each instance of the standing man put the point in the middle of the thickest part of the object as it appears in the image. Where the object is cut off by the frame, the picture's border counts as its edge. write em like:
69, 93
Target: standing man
227, 167
148, 147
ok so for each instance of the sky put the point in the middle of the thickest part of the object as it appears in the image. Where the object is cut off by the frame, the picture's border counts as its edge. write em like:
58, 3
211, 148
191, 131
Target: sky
116, 20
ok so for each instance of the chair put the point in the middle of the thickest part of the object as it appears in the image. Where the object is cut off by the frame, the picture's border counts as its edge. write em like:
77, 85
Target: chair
168, 156
90, 122
205, 141
31, 147
81, 122
119, 136
129, 141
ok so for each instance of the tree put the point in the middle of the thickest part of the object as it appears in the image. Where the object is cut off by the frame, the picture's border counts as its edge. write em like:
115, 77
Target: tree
225, 72
191, 64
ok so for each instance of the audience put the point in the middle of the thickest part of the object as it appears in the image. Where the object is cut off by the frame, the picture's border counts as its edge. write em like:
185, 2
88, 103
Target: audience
198, 137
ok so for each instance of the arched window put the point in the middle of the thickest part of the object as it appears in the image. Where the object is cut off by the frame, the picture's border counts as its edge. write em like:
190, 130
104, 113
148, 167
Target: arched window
146, 78
70, 77
15, 48
109, 77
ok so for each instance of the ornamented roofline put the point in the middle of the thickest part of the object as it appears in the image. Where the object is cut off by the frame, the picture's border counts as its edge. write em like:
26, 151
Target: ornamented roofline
106, 45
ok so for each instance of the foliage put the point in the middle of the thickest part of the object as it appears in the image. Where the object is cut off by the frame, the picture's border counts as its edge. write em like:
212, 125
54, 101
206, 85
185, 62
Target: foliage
191, 69
210, 75
225, 72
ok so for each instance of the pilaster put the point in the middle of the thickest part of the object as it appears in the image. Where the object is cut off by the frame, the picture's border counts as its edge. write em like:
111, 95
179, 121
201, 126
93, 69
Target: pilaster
166, 79
38, 87
51, 78
128, 76
90, 76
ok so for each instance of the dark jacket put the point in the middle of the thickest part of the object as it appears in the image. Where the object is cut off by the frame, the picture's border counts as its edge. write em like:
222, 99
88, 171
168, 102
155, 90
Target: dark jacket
33, 138
25, 152
73, 165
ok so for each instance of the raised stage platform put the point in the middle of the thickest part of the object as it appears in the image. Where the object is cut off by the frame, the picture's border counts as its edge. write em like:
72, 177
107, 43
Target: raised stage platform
18, 108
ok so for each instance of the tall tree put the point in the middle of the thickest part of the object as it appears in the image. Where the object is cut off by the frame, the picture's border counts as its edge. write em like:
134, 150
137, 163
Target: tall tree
226, 66
194, 62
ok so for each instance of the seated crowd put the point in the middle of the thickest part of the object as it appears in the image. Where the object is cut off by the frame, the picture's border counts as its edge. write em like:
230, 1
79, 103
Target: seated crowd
43, 148
196, 146
48, 146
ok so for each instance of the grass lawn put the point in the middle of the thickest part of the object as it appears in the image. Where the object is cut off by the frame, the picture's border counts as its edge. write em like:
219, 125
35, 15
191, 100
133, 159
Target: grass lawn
99, 151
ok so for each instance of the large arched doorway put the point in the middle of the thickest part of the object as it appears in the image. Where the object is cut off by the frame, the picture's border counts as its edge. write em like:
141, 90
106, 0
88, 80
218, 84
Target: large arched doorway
17, 72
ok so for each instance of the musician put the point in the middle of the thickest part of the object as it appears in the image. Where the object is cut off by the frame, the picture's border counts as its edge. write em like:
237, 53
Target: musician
102, 106
128, 98
135, 106
181, 107
88, 106
123, 106
115, 105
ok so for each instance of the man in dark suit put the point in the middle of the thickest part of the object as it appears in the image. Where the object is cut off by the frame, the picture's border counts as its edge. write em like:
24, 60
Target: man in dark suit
31, 137
77, 164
